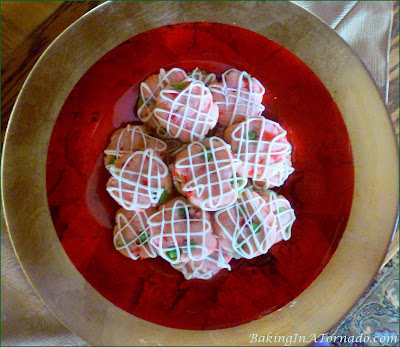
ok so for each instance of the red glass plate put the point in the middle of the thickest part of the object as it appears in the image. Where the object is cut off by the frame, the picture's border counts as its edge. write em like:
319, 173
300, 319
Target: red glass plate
320, 189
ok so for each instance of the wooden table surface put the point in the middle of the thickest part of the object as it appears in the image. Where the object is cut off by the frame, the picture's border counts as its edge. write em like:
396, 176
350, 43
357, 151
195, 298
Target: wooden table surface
29, 27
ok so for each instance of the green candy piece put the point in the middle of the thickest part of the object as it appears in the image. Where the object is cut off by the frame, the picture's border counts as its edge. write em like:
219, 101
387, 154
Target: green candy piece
251, 135
143, 237
162, 131
173, 254
208, 154
181, 212
164, 196
112, 160
179, 85
281, 209
239, 181
201, 71
241, 245
256, 227
119, 244
140, 102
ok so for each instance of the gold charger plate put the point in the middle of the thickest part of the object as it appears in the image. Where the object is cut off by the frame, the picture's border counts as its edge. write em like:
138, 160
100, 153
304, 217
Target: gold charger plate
72, 299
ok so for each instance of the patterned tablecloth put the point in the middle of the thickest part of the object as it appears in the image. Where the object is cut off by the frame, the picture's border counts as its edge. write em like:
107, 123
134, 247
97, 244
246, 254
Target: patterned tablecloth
366, 26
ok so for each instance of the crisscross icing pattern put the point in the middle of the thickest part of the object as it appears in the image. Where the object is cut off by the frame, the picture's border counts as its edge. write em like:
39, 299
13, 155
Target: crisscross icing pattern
133, 133
206, 268
127, 237
190, 110
211, 184
268, 156
149, 102
254, 232
278, 174
202, 75
176, 232
139, 182
239, 100
283, 212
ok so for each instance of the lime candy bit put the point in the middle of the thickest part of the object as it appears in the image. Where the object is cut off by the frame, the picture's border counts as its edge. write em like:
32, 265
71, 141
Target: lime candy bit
173, 254
178, 185
119, 243
256, 227
161, 131
193, 243
181, 212
281, 209
207, 154
241, 244
239, 180
179, 85
286, 230
164, 196
251, 135
143, 237
140, 102
112, 160
234, 179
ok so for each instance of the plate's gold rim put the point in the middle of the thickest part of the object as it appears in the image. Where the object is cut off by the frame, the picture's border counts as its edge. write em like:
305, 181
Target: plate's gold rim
43, 259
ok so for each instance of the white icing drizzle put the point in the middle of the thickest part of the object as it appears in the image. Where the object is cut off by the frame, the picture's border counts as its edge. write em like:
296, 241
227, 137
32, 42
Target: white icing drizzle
163, 81
197, 126
124, 226
171, 222
246, 241
194, 184
134, 130
274, 173
132, 181
204, 76
238, 97
283, 212
279, 172
206, 268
